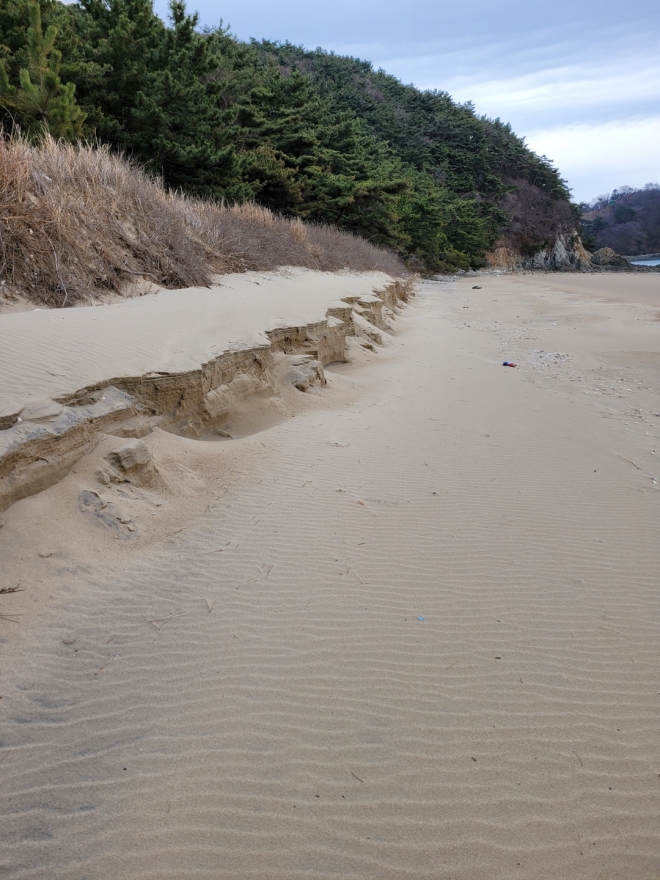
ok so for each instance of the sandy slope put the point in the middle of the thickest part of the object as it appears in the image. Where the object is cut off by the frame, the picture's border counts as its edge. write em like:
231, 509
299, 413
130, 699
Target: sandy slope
410, 633
53, 352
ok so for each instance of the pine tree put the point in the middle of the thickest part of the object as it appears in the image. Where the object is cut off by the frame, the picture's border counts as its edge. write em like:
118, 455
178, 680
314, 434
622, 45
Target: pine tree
306, 161
165, 95
42, 103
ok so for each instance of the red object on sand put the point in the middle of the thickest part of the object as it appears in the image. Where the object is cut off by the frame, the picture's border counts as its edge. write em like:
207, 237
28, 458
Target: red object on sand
508, 364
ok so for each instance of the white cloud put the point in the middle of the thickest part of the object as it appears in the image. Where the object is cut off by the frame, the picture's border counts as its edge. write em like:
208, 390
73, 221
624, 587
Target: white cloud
567, 92
597, 158
594, 111
433, 59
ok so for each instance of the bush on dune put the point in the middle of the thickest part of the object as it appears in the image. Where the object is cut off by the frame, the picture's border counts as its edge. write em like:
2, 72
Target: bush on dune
77, 220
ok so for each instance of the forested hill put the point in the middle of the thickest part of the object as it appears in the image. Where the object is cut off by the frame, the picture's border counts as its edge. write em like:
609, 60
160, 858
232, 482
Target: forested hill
308, 134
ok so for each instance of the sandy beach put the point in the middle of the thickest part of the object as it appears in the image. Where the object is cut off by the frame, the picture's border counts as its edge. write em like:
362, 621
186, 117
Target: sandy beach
403, 625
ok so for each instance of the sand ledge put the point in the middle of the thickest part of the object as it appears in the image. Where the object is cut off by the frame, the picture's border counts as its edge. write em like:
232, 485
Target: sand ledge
40, 440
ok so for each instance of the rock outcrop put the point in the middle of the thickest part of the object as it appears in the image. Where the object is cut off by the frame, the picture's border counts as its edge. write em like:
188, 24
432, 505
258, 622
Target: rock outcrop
305, 372
567, 254
131, 463
607, 258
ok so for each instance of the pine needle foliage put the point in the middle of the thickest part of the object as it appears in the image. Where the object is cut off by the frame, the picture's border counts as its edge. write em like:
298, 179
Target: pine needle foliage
42, 102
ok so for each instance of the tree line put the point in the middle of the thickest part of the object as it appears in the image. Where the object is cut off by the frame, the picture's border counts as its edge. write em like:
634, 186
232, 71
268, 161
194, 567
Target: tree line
308, 134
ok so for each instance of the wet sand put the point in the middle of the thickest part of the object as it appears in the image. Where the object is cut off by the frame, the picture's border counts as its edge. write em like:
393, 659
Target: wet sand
408, 631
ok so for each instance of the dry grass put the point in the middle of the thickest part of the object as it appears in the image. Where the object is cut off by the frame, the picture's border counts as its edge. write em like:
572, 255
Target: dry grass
503, 257
77, 221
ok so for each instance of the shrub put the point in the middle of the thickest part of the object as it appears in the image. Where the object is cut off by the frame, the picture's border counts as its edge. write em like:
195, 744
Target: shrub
78, 220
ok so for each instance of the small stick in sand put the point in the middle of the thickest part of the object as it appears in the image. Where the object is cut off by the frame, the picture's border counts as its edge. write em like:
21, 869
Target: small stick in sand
163, 620
103, 665
169, 534
356, 777
17, 589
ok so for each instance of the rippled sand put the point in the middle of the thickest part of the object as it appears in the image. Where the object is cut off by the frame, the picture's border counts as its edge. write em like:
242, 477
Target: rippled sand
411, 631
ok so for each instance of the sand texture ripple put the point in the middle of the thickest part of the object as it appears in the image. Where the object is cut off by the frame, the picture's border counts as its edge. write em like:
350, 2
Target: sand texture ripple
411, 632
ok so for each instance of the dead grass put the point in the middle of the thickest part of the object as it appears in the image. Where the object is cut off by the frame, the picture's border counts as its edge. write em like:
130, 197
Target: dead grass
78, 221
503, 257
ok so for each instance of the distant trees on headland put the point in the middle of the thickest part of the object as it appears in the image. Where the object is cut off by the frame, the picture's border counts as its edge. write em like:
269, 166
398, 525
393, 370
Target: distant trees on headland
626, 220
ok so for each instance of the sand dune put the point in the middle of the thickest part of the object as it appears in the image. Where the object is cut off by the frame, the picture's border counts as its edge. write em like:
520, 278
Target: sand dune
186, 360
408, 631
54, 352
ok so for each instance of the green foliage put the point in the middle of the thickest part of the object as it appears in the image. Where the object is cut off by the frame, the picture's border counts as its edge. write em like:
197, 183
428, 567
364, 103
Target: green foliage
41, 102
623, 214
304, 160
164, 94
469, 161
309, 134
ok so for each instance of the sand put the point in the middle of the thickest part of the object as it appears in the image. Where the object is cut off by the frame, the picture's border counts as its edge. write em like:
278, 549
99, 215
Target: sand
408, 631
49, 353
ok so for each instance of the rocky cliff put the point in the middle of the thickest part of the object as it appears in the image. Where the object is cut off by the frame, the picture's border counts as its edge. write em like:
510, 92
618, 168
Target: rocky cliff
567, 254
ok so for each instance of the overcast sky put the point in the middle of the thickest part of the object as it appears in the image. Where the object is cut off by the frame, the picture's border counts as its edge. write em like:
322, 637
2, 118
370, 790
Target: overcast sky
579, 79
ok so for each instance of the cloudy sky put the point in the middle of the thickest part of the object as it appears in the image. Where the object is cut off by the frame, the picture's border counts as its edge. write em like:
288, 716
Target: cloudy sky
579, 79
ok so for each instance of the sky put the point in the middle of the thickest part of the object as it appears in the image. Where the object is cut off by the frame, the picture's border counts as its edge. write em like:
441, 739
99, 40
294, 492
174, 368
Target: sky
578, 79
